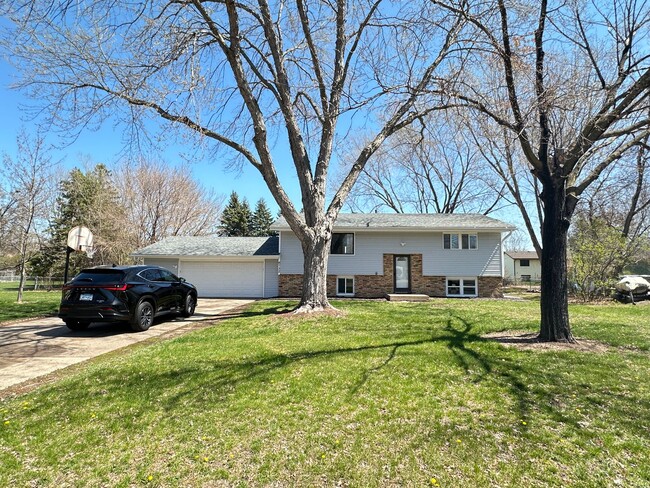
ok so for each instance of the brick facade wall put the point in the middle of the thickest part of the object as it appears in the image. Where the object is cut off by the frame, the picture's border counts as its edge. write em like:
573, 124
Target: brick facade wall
377, 286
490, 287
290, 285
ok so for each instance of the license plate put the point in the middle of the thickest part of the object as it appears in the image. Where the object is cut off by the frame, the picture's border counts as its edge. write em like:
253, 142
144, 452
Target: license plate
86, 297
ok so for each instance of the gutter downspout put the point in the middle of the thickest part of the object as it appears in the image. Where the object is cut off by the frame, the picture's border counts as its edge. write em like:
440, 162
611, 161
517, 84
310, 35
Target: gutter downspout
503, 261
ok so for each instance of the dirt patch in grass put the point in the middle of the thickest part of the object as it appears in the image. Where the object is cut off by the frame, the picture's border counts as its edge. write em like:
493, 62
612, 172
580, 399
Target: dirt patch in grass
528, 341
292, 315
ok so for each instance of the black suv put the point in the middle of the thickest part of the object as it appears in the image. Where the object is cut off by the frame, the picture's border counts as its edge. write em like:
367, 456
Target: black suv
134, 294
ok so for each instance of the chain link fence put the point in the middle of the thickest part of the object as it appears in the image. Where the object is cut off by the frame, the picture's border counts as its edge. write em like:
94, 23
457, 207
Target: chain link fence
33, 282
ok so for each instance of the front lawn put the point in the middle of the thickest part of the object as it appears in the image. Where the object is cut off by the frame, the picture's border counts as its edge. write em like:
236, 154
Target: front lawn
392, 394
35, 303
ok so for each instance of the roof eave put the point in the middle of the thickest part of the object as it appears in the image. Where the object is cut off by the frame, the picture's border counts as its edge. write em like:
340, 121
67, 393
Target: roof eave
411, 229
207, 256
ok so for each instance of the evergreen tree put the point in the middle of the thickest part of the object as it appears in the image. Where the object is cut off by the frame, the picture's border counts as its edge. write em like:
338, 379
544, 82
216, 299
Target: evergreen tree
236, 217
246, 217
89, 199
262, 220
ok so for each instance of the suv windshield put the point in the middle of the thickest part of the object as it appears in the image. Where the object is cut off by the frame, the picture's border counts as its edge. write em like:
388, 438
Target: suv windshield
97, 276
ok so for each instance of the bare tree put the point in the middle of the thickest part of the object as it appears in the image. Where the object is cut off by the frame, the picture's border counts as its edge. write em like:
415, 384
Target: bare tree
500, 151
257, 77
570, 81
622, 200
434, 168
622, 197
517, 241
30, 178
7, 206
636, 216
163, 201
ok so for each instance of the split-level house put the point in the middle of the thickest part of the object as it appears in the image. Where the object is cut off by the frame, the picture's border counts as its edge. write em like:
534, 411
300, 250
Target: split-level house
371, 256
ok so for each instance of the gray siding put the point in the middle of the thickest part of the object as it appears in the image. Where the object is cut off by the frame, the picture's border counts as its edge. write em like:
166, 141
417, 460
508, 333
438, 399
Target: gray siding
371, 246
271, 278
170, 264
290, 254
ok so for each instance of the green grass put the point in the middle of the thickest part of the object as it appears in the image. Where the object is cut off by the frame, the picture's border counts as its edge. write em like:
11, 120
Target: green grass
392, 394
35, 303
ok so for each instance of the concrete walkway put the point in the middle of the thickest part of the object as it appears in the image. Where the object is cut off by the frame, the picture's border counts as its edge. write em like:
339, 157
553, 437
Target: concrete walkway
34, 348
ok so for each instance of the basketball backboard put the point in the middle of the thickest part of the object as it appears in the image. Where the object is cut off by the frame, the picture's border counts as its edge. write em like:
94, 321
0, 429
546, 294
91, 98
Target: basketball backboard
79, 238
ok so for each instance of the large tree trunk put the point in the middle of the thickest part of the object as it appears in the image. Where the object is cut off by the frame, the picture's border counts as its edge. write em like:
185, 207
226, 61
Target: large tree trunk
554, 303
314, 282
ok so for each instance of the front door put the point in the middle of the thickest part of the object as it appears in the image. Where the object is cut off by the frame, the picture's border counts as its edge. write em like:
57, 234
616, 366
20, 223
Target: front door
402, 273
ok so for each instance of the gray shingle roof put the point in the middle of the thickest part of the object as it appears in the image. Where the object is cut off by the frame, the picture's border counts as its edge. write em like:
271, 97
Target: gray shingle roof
212, 246
393, 221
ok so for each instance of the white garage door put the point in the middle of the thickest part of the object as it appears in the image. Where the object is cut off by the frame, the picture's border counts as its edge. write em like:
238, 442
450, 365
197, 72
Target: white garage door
227, 279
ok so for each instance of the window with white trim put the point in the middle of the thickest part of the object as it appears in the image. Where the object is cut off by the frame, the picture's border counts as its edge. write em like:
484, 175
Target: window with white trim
461, 287
345, 286
460, 241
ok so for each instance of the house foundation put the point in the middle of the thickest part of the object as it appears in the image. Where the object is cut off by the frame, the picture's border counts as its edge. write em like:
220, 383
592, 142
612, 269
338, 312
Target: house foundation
378, 286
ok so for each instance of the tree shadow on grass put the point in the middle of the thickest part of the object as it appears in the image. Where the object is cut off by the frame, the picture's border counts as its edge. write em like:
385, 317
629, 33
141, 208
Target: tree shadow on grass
509, 375
531, 387
245, 311
227, 375
542, 385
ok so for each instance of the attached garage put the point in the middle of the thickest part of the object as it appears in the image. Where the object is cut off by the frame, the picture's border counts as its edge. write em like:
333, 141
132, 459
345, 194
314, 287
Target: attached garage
232, 267
225, 279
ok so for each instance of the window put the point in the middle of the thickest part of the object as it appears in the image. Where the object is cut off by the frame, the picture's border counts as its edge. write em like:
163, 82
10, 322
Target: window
524, 262
168, 276
460, 241
469, 288
525, 278
151, 274
342, 244
100, 276
345, 285
453, 287
461, 287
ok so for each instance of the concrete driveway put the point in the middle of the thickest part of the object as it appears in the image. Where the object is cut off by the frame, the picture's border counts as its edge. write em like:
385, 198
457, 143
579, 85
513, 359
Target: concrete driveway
34, 348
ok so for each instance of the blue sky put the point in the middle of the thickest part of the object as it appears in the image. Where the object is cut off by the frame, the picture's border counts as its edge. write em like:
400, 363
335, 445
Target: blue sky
105, 145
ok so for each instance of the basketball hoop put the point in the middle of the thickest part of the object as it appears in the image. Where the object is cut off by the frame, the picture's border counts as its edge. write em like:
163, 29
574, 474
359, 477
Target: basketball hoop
80, 239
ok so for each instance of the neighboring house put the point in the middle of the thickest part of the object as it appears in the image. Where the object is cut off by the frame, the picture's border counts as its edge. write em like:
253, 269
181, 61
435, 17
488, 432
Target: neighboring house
522, 266
372, 255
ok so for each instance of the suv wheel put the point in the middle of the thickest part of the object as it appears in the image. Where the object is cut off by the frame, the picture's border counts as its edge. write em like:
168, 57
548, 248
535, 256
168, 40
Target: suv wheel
143, 317
190, 306
77, 324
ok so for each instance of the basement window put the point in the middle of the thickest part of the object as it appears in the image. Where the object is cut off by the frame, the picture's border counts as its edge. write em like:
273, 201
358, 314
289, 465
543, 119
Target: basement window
461, 287
345, 286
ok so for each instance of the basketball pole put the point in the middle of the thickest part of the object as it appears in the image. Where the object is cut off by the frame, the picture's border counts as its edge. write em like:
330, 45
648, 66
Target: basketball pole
68, 251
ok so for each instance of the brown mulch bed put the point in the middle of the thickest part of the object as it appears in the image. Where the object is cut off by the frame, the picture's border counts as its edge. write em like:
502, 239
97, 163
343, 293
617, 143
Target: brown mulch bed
528, 341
